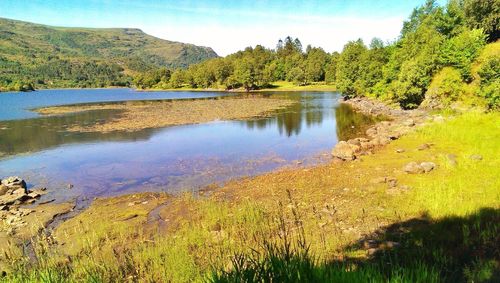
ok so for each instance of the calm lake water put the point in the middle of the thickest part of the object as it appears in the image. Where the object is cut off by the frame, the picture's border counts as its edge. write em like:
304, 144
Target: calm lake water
172, 159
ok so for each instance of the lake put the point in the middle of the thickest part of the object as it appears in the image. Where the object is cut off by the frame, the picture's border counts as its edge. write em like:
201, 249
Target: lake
171, 159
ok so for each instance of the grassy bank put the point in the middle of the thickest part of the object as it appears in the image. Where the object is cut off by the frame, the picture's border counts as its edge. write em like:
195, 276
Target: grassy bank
334, 222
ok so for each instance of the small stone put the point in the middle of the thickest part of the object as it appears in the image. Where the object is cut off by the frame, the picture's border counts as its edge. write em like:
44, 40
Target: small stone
452, 159
400, 150
41, 191
409, 123
391, 244
369, 244
392, 182
33, 195
69, 186
428, 166
372, 251
476, 157
413, 168
424, 146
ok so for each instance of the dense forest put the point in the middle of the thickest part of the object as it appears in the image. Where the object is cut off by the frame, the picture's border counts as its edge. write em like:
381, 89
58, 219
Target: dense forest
38, 56
442, 55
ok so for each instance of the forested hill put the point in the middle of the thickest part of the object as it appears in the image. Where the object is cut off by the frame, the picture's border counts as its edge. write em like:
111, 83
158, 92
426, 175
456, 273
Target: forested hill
47, 56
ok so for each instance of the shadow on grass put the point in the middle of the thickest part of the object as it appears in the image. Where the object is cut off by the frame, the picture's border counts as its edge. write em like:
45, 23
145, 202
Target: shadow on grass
453, 249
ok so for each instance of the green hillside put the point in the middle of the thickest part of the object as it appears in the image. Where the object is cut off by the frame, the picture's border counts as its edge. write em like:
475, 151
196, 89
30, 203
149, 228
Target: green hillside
47, 56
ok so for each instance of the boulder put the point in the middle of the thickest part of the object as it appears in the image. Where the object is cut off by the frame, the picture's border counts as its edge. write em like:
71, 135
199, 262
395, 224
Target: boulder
345, 151
428, 166
413, 168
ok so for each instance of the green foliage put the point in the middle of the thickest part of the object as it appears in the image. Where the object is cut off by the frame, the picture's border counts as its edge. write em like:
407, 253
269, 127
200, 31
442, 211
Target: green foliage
48, 57
484, 14
250, 69
490, 81
446, 87
461, 50
349, 68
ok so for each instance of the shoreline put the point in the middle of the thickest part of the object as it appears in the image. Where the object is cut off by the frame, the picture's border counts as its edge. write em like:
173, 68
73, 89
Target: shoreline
312, 87
346, 202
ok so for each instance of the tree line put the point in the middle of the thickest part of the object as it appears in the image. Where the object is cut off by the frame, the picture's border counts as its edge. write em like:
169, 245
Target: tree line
440, 42
252, 68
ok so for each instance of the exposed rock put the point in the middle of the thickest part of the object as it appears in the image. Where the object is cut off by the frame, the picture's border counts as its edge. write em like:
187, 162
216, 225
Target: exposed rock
400, 150
428, 166
345, 151
413, 168
476, 157
14, 182
3, 189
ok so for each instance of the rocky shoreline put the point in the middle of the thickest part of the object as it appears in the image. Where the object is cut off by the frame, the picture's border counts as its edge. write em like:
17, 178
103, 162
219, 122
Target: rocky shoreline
13, 196
397, 122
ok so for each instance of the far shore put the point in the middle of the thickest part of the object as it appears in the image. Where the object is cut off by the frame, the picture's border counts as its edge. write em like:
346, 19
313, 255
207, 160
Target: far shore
276, 86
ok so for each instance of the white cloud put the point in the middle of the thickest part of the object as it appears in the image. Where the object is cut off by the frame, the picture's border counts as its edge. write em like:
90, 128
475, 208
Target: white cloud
328, 33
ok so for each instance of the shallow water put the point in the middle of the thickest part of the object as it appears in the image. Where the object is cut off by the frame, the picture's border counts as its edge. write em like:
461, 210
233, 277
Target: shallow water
172, 159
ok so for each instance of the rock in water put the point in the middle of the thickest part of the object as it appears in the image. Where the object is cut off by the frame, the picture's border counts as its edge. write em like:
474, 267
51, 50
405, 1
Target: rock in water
413, 168
345, 151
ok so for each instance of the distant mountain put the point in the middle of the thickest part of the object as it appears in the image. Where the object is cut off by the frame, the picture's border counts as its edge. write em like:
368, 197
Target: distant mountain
49, 56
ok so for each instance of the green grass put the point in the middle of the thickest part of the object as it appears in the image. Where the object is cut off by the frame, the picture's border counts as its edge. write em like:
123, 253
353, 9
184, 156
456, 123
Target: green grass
447, 227
290, 86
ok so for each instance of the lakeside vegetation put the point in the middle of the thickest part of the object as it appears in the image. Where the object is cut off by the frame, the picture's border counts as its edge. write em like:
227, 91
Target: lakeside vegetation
38, 56
441, 56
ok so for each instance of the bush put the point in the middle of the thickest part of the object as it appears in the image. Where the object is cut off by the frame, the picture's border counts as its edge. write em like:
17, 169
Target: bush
446, 87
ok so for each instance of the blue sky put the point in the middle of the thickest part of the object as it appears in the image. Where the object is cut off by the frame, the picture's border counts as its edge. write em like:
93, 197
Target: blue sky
227, 26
